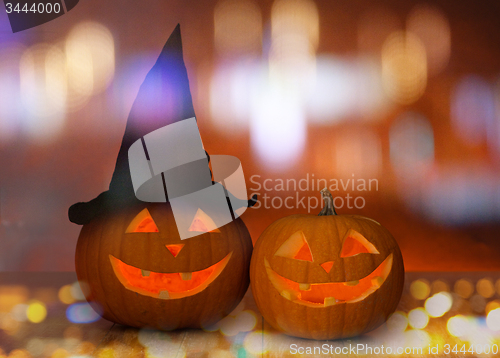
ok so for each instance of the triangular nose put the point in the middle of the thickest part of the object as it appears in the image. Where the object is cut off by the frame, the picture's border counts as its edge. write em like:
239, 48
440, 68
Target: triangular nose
174, 249
327, 266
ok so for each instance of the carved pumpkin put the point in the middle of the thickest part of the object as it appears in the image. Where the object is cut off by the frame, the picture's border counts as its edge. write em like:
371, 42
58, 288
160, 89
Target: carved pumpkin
326, 277
142, 274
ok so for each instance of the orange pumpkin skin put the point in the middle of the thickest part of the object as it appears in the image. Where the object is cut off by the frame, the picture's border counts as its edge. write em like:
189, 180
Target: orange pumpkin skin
325, 236
104, 237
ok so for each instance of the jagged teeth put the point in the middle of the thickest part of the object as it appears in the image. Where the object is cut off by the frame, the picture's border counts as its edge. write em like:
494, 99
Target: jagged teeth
304, 286
330, 301
352, 283
186, 275
145, 272
164, 295
377, 281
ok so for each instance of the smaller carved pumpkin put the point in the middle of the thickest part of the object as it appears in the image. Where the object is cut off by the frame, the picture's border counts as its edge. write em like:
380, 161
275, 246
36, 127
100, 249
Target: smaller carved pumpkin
327, 276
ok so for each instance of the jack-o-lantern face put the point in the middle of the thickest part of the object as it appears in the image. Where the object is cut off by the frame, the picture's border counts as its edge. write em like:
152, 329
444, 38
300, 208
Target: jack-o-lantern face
329, 293
143, 274
167, 285
326, 277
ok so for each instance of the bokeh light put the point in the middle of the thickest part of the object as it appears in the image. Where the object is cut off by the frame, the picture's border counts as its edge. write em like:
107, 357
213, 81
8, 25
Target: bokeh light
10, 100
294, 39
493, 319
254, 342
420, 289
292, 63
160, 344
277, 129
19, 312
482, 340
148, 336
36, 346
485, 287
418, 318
79, 290
36, 312
108, 352
85, 348
459, 326
43, 86
439, 286
394, 340
10, 325
438, 304
232, 87
473, 109
397, 322
12, 295
416, 338
494, 137
65, 295
295, 18
411, 140
231, 325
404, 67
237, 27
19, 353
459, 195
358, 151
344, 89
220, 353
464, 288
82, 313
433, 29
491, 305
60, 353
90, 62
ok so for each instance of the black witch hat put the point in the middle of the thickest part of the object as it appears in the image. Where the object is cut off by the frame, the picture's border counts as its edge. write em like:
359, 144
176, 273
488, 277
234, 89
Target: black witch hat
164, 98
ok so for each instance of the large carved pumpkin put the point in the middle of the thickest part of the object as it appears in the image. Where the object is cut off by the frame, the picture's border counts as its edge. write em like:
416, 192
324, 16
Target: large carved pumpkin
326, 277
142, 274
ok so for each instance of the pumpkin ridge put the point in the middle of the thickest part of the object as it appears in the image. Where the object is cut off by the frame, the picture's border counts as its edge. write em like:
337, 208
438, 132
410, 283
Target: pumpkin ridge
116, 231
100, 272
374, 306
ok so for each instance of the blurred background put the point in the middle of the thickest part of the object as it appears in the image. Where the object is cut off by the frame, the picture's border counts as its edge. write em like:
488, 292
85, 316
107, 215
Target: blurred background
394, 105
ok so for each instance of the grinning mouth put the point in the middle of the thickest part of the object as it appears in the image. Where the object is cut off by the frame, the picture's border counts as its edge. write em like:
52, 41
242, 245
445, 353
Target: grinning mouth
331, 293
166, 286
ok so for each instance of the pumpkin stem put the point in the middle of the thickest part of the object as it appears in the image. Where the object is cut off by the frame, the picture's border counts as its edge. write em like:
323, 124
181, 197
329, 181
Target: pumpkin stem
328, 209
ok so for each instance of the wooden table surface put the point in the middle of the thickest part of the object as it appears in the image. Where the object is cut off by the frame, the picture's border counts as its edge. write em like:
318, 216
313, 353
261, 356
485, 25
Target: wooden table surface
41, 315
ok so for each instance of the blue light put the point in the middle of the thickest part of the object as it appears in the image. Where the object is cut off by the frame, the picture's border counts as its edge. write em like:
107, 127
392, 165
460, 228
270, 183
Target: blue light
411, 140
81, 313
473, 109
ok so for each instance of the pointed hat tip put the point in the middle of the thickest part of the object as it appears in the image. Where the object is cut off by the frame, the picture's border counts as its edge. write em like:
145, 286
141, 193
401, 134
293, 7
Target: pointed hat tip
177, 31
174, 41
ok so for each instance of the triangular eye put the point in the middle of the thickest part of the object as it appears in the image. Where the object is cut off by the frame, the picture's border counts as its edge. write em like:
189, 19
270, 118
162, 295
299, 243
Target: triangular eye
295, 247
143, 222
203, 223
355, 244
